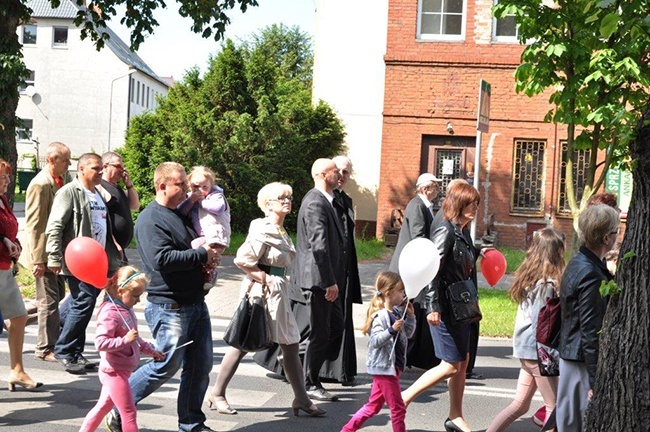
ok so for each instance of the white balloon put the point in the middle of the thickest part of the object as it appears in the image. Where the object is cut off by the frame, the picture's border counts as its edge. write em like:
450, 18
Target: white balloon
418, 265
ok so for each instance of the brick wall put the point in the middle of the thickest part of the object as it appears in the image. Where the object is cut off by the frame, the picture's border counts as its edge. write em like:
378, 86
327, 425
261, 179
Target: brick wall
429, 84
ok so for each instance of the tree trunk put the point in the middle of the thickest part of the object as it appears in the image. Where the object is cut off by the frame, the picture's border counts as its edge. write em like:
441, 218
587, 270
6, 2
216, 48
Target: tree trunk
622, 395
11, 73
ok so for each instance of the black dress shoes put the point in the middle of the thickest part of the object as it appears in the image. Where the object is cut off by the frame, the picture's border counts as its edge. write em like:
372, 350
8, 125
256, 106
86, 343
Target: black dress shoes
320, 394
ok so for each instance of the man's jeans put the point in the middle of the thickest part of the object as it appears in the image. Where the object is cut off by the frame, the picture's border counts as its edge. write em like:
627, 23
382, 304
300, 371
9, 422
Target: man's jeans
73, 334
171, 328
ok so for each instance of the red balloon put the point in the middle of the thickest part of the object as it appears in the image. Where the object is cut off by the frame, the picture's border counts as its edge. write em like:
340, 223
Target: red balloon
87, 261
493, 266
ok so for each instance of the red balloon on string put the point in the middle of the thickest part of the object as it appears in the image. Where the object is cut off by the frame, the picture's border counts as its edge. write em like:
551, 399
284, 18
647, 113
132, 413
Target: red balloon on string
87, 261
493, 266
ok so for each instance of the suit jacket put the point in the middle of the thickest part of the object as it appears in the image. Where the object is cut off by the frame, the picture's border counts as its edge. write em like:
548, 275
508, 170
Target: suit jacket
38, 204
343, 203
417, 223
321, 253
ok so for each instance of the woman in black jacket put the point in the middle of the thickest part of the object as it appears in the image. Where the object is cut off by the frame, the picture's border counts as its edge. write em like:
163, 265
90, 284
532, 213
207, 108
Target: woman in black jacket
451, 342
583, 309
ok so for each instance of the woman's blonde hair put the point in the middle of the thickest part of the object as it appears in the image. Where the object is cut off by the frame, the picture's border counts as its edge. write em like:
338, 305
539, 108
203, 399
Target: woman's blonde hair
203, 171
271, 191
127, 278
595, 222
544, 260
386, 282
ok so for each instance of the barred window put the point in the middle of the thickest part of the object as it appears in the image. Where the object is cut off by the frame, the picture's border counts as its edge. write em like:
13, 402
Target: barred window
580, 168
528, 175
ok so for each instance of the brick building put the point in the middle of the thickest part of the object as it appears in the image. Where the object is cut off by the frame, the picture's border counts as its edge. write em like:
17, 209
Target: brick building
437, 52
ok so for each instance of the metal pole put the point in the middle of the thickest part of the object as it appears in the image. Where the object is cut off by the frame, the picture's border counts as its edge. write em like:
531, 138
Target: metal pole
477, 170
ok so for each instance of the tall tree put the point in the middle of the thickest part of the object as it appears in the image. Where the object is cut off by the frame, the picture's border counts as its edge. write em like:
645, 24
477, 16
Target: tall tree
250, 119
592, 56
209, 19
622, 395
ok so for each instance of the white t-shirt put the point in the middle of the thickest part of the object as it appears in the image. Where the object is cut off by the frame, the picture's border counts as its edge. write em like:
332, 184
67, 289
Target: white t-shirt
98, 216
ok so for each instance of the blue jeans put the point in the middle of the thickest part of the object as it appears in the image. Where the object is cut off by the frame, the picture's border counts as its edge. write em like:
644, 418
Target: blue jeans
73, 334
171, 328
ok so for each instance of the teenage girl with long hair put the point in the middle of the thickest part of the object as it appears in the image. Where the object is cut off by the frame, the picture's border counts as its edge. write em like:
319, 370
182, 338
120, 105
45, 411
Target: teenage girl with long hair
386, 328
536, 279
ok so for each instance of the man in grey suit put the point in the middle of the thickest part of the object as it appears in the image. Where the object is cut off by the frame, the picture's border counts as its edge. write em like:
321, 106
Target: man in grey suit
418, 215
418, 221
319, 271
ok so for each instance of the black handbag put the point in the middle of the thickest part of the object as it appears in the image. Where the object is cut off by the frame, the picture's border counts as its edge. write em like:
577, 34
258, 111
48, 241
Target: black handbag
463, 303
249, 328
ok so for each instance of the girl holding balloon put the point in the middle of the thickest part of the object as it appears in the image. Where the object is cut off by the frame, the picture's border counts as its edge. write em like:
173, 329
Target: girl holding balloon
119, 347
389, 333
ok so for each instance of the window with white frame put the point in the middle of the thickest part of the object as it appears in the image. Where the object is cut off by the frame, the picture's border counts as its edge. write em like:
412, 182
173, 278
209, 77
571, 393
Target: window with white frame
505, 29
29, 81
29, 34
441, 19
60, 37
24, 130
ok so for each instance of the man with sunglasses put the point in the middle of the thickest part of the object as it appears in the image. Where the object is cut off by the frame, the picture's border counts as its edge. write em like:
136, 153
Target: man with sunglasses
120, 203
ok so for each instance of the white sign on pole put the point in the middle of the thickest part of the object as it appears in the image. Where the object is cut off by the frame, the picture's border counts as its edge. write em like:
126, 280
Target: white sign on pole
483, 123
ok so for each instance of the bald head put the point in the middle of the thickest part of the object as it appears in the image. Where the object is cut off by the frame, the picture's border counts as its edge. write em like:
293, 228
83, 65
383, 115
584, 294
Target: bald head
344, 165
325, 174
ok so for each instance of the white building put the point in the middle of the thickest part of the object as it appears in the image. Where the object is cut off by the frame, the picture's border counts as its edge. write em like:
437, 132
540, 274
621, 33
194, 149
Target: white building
76, 94
349, 74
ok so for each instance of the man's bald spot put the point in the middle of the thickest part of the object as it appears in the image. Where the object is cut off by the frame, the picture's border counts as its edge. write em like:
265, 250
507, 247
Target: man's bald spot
321, 165
342, 161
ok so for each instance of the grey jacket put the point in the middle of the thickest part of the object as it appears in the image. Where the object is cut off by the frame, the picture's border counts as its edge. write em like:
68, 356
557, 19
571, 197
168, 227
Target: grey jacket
524, 342
380, 361
70, 218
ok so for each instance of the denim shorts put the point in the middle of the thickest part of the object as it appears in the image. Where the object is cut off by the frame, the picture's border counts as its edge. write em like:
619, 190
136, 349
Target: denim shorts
450, 344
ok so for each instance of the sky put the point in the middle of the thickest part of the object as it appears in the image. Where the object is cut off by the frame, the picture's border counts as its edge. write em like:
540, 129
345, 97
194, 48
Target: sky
174, 48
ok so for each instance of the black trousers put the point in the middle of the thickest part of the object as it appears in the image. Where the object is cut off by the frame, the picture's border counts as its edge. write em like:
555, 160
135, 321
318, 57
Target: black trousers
325, 337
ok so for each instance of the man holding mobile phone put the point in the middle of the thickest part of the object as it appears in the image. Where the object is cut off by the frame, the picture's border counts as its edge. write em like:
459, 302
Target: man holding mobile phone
120, 202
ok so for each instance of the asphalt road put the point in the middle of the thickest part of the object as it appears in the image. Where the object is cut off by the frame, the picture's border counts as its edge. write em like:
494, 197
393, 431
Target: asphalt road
263, 400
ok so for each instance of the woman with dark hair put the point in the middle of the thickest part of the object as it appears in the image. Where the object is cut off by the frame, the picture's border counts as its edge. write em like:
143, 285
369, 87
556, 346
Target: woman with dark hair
583, 309
451, 342
11, 302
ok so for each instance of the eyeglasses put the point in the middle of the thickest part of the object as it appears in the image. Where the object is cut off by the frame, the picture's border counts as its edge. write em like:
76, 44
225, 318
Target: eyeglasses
288, 198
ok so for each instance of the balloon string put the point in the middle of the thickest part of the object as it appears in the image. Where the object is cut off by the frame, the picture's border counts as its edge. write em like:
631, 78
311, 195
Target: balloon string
118, 311
392, 350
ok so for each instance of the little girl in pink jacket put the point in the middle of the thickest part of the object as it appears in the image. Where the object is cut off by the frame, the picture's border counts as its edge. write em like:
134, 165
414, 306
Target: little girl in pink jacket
119, 347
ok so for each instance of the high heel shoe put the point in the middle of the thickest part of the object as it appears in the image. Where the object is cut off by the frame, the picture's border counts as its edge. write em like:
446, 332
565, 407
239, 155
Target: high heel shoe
311, 409
221, 405
450, 426
27, 385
